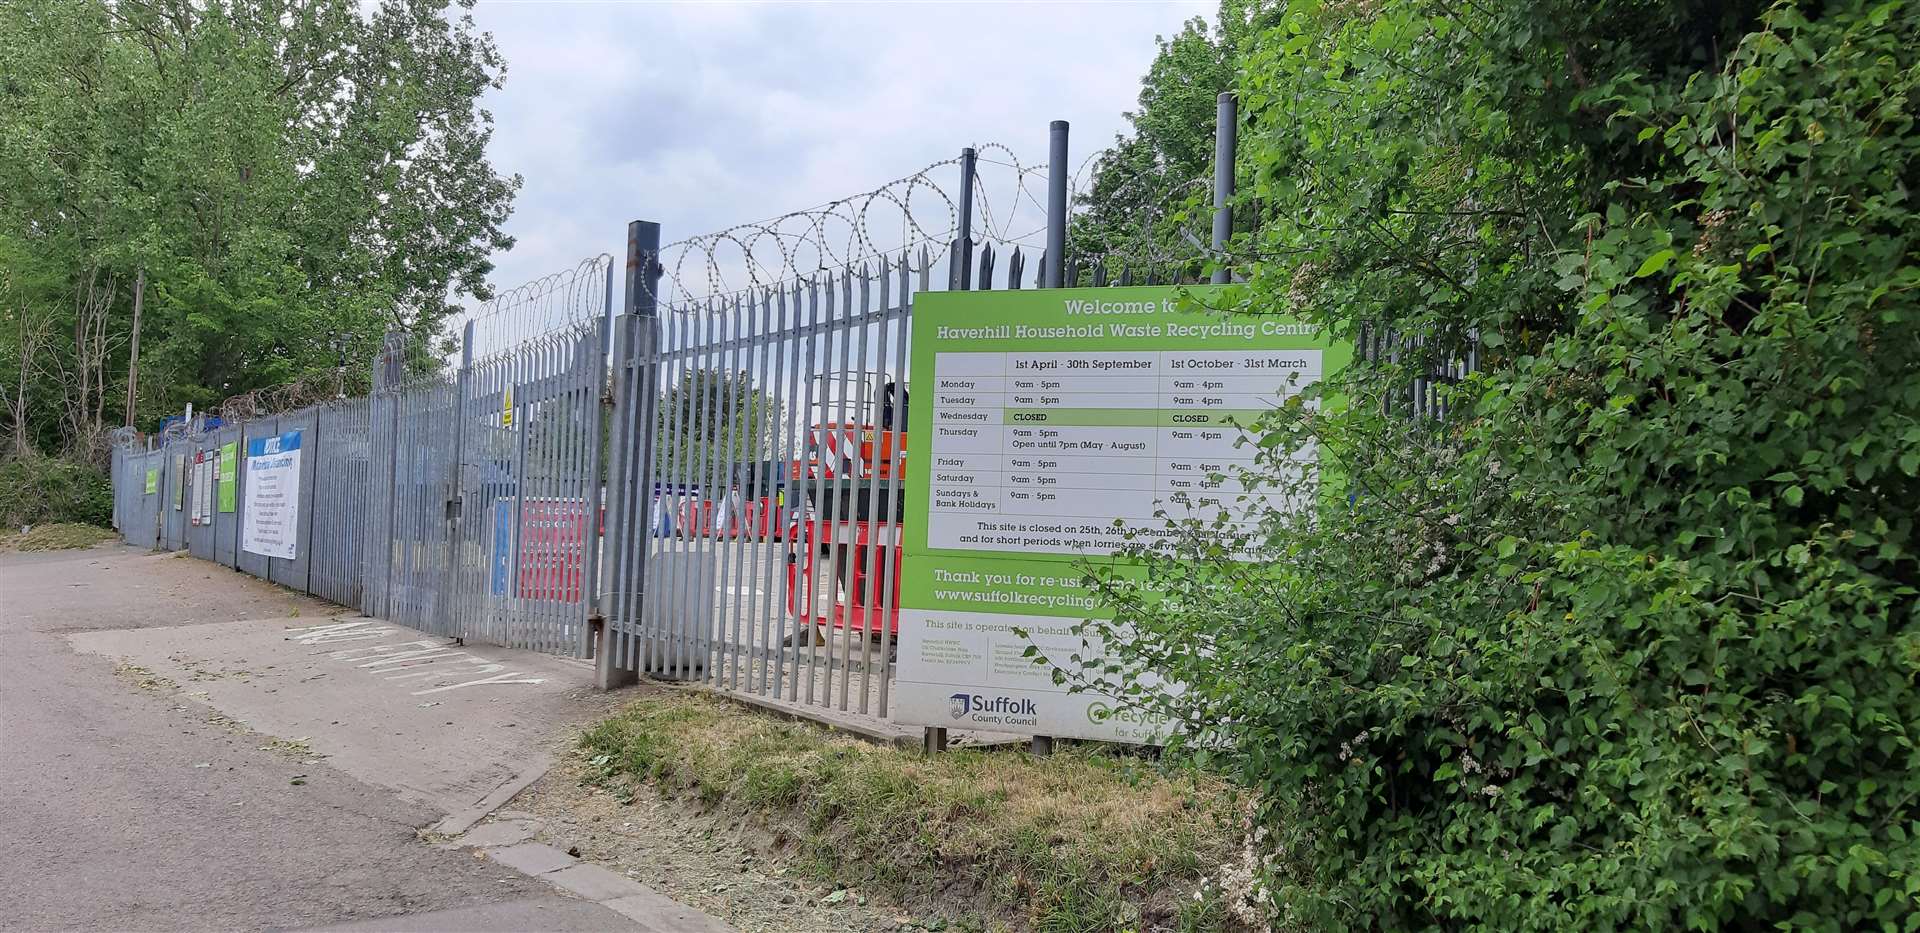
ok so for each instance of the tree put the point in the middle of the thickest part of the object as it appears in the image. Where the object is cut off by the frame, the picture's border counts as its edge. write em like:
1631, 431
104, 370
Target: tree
711, 418
288, 173
1148, 206
1628, 637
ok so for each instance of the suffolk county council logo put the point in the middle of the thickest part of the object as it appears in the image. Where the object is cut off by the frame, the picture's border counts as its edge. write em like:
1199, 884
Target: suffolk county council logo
995, 709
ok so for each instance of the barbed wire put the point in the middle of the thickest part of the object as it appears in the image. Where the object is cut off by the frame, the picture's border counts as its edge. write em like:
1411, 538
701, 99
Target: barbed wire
314, 388
564, 300
920, 211
835, 235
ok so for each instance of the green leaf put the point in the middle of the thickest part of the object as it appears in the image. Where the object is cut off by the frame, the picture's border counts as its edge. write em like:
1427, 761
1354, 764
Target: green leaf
1654, 263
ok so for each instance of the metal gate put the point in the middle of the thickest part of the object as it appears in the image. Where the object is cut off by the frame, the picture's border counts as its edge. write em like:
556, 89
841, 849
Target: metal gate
485, 499
757, 487
528, 494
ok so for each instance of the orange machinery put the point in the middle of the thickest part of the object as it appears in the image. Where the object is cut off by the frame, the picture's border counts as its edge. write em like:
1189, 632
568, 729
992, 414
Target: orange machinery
848, 489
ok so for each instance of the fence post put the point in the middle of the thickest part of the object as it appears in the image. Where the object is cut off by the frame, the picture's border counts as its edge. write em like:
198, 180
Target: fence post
961, 277
1056, 205
1054, 268
1225, 132
630, 479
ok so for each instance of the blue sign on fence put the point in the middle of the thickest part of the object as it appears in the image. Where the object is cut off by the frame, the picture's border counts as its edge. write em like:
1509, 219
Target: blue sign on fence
500, 569
270, 522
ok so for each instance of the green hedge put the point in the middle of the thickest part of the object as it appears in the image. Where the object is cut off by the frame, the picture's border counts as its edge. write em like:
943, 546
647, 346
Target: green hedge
36, 489
1630, 638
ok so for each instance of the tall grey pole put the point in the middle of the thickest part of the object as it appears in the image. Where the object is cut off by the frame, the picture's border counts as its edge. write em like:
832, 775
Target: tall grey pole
1056, 262
963, 263
133, 352
629, 475
1225, 133
1056, 204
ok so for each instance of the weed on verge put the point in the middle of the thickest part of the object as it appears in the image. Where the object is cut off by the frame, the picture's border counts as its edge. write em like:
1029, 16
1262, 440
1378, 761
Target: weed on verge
1086, 840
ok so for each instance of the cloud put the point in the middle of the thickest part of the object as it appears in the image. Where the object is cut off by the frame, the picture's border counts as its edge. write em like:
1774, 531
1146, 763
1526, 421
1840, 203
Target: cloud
703, 116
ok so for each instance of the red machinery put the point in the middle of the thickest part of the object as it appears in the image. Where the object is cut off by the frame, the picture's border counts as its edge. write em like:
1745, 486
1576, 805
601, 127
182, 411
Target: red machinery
848, 490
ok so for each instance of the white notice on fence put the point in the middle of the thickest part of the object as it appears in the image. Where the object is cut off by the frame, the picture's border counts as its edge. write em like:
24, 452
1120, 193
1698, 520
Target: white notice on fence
203, 487
269, 518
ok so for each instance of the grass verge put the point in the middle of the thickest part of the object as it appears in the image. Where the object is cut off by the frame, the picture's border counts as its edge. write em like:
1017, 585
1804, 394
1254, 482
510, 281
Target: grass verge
1083, 841
59, 536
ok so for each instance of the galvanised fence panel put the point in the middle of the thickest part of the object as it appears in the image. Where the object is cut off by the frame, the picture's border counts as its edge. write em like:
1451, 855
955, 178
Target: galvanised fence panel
247, 561
376, 544
140, 515
757, 545
528, 483
173, 519
292, 572
226, 524
200, 496
117, 474
417, 579
337, 521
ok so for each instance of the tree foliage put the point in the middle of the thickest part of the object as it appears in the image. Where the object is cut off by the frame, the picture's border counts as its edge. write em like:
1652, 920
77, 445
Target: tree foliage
711, 418
1628, 638
291, 175
1148, 204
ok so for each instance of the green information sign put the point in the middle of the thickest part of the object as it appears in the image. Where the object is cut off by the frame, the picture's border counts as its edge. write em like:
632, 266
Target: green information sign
229, 459
1039, 420
153, 482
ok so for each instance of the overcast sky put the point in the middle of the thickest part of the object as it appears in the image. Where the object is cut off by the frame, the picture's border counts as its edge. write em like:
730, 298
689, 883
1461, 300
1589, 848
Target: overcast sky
705, 115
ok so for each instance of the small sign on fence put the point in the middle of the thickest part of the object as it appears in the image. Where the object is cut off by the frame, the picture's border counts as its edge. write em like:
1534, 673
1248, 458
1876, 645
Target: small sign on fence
270, 524
202, 513
153, 482
229, 463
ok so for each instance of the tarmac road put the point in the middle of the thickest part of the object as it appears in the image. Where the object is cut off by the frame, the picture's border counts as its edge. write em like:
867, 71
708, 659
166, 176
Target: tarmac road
123, 807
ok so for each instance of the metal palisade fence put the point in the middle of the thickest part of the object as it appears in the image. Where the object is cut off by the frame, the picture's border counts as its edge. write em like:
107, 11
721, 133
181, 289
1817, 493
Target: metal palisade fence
713, 479
757, 487
463, 500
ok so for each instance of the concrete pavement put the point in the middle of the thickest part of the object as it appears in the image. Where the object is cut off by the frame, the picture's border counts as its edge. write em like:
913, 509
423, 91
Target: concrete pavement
194, 765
